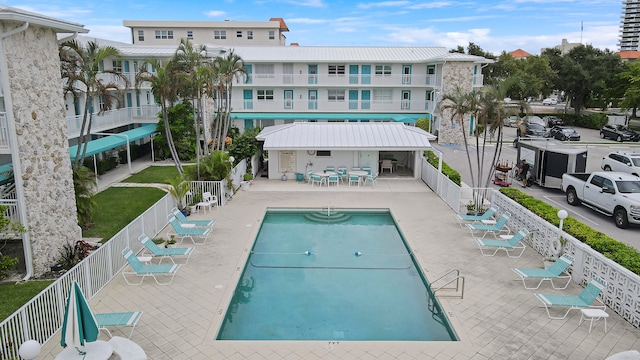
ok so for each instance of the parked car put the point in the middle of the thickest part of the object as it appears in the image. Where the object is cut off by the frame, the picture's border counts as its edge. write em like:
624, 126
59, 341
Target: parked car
623, 162
531, 130
619, 133
511, 121
532, 119
564, 133
551, 121
550, 101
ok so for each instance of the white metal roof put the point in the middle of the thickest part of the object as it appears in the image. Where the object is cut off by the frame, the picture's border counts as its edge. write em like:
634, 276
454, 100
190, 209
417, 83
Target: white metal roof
62, 26
344, 136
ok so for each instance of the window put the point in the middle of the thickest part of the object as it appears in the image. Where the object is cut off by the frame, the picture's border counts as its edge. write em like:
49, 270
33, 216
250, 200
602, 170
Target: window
220, 34
264, 95
323, 153
383, 70
336, 69
117, 65
164, 34
190, 34
249, 34
140, 35
382, 95
272, 35
239, 33
265, 71
336, 95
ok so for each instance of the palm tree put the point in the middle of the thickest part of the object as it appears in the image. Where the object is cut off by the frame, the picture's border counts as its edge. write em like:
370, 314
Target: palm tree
165, 83
228, 68
460, 104
81, 69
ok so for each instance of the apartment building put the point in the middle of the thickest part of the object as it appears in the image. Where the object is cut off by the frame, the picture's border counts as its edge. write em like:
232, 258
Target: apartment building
225, 33
630, 25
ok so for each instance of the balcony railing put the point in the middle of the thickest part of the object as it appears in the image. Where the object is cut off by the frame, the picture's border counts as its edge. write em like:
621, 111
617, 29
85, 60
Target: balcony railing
4, 132
341, 80
114, 118
303, 105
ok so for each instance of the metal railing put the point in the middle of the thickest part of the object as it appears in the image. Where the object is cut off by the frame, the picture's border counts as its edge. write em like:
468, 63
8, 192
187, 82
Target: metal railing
41, 317
457, 279
112, 119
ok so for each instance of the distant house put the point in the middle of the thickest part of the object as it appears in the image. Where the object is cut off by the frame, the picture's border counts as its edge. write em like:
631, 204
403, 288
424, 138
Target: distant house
519, 54
629, 55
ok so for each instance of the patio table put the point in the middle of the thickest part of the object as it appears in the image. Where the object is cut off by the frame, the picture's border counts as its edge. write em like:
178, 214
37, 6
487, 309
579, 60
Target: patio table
325, 174
95, 350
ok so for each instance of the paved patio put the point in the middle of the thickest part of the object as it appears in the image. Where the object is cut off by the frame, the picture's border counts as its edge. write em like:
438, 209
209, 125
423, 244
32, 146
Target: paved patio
497, 319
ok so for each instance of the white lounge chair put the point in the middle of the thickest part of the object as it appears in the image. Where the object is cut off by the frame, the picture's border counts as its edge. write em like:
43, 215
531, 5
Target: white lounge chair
513, 244
187, 231
555, 271
574, 302
143, 270
163, 253
118, 319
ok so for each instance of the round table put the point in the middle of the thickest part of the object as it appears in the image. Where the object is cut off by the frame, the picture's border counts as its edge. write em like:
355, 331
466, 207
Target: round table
96, 350
325, 175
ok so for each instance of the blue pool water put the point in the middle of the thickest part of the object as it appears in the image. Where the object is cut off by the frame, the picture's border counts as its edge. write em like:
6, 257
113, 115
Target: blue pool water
346, 277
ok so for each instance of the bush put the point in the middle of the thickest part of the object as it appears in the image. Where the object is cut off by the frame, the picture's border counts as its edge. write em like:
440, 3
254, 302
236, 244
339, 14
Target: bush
593, 121
6, 264
446, 169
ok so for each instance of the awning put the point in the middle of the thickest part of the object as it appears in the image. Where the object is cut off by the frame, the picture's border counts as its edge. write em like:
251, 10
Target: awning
5, 171
116, 140
403, 118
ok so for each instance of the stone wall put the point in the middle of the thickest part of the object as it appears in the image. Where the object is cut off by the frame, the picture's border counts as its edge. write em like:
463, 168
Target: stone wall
454, 74
45, 167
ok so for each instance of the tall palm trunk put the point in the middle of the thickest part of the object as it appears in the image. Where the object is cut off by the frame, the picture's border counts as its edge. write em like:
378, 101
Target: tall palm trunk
172, 147
81, 138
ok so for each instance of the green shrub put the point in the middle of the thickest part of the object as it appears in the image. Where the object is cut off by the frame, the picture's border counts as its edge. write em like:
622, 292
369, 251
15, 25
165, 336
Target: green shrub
625, 255
7, 263
446, 169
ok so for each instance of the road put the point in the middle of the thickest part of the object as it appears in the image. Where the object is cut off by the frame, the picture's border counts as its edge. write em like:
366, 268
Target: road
455, 156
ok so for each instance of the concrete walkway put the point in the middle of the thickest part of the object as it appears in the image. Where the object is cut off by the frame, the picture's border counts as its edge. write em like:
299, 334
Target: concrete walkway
497, 319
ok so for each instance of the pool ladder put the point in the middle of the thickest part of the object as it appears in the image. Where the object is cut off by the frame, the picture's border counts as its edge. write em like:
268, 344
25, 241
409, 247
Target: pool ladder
457, 279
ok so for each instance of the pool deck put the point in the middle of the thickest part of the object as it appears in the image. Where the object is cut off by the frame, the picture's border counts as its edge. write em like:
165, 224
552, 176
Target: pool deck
497, 319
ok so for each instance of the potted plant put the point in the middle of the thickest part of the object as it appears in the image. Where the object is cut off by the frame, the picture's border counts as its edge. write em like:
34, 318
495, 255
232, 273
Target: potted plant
557, 247
178, 188
244, 185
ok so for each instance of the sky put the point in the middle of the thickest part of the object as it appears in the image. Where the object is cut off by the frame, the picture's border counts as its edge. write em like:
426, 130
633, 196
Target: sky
494, 25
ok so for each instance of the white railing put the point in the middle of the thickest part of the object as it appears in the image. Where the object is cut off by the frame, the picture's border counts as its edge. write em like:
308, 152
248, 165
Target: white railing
113, 119
41, 317
218, 188
12, 209
4, 131
622, 294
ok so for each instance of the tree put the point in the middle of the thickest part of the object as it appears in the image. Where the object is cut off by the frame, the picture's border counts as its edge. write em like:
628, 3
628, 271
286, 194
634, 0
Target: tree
83, 74
180, 118
627, 86
165, 85
460, 104
84, 184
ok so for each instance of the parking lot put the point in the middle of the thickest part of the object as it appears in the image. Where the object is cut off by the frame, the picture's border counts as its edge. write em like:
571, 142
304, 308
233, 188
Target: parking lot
596, 148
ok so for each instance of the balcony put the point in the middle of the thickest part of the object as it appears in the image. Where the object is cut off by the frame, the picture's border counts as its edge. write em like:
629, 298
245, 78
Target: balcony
342, 80
346, 105
112, 119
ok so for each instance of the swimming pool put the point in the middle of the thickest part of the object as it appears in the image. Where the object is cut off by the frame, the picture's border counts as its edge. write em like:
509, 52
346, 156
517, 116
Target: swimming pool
347, 276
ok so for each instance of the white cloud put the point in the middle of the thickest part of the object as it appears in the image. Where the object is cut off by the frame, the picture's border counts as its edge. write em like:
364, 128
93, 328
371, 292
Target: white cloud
306, 21
215, 13
431, 5
110, 32
307, 3
382, 4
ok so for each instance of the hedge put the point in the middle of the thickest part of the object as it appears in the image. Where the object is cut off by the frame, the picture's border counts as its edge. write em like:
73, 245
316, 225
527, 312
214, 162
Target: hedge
446, 169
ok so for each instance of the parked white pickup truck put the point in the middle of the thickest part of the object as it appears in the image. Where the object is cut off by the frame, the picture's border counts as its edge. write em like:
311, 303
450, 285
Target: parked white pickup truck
614, 194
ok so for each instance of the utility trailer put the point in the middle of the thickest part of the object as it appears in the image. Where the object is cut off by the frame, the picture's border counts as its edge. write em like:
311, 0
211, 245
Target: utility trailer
550, 159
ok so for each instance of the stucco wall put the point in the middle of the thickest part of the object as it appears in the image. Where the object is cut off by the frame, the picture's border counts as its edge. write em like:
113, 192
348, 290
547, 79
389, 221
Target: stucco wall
45, 168
454, 74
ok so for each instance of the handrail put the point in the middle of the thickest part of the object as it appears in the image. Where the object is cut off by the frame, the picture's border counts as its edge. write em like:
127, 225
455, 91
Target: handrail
457, 279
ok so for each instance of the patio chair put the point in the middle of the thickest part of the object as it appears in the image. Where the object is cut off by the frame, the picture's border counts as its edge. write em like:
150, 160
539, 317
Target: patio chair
118, 319
354, 179
309, 172
555, 271
513, 244
208, 200
333, 179
317, 179
367, 169
499, 227
588, 295
371, 179
463, 220
387, 164
162, 253
183, 219
189, 231
330, 168
143, 270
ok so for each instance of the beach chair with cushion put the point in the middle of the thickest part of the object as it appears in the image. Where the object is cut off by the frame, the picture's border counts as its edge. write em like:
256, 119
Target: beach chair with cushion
118, 319
574, 302
183, 219
555, 271
512, 245
170, 253
496, 229
187, 231
144, 270
477, 219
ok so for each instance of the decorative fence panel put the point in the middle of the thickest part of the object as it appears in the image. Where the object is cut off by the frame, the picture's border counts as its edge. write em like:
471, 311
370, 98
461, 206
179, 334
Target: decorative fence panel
41, 317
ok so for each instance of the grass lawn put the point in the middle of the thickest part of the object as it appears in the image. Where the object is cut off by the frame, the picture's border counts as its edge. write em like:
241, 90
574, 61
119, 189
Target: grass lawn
153, 175
118, 206
13, 296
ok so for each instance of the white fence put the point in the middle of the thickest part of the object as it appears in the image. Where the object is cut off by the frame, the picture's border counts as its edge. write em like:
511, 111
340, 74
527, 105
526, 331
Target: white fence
41, 317
622, 294
113, 118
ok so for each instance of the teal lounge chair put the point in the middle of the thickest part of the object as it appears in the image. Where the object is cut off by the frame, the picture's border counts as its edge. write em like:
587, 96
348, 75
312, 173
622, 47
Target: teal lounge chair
189, 231
183, 219
513, 244
499, 227
117, 319
157, 251
475, 219
584, 300
143, 270
555, 271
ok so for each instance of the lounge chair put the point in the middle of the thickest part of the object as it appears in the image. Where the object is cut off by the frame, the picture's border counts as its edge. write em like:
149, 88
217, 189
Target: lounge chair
183, 219
189, 231
116, 319
476, 219
157, 251
371, 179
584, 300
555, 271
513, 244
499, 227
143, 270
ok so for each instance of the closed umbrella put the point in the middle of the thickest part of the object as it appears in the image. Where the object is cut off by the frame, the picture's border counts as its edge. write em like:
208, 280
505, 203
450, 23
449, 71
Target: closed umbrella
79, 325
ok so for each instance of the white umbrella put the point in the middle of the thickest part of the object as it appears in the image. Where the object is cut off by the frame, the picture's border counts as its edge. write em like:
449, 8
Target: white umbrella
79, 326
